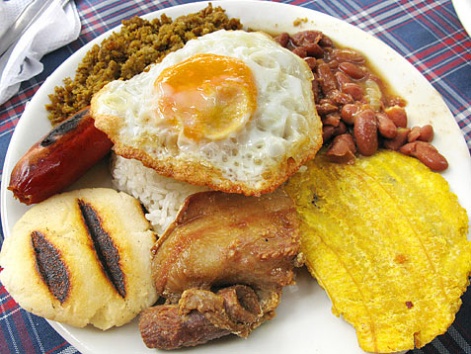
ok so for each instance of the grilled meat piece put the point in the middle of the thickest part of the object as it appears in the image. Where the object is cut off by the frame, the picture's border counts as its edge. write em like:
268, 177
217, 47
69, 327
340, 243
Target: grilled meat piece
200, 316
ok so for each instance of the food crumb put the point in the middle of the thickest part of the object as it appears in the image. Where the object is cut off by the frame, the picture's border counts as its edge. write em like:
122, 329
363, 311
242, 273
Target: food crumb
299, 21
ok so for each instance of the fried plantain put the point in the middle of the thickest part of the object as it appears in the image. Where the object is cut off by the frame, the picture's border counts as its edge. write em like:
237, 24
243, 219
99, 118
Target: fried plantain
387, 240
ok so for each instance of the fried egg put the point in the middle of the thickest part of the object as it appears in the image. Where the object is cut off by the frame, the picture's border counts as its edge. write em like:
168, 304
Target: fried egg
231, 110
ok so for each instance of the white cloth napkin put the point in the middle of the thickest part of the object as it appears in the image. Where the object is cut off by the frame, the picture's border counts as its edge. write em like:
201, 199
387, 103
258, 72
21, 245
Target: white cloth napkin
54, 28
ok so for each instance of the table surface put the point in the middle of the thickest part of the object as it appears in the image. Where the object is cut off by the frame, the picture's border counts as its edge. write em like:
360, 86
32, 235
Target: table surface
426, 33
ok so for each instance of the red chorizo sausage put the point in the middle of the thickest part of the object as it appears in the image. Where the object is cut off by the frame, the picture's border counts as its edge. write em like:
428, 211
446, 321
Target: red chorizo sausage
59, 159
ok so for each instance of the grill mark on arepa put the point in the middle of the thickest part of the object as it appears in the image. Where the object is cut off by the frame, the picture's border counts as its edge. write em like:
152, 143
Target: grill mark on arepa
105, 249
51, 267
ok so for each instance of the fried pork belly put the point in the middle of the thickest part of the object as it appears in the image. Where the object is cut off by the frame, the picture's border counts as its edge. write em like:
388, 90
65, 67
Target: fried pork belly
221, 267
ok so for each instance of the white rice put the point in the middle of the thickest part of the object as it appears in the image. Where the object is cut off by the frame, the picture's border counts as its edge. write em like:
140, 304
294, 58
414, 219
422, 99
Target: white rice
161, 196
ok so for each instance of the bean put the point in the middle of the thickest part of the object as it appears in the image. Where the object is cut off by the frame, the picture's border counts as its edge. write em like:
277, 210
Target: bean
327, 132
398, 115
354, 90
312, 62
283, 39
399, 140
342, 78
352, 70
306, 37
325, 41
348, 112
331, 131
340, 129
324, 108
386, 126
332, 119
333, 65
348, 55
339, 98
426, 133
413, 134
365, 132
326, 78
300, 51
342, 149
427, 154
314, 50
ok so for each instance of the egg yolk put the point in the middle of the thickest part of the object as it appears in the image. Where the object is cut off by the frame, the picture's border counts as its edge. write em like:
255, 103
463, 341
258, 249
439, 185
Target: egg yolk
208, 96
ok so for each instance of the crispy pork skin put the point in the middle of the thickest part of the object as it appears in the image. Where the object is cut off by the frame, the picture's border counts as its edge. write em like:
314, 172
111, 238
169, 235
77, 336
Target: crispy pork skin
223, 239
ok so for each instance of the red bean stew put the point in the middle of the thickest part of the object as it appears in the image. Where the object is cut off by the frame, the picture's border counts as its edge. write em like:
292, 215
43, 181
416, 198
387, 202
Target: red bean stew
358, 113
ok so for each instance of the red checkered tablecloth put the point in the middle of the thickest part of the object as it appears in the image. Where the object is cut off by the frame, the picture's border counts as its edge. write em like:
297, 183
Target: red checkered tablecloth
427, 33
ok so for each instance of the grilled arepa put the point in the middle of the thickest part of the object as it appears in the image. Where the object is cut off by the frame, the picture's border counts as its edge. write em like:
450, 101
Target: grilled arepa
387, 240
81, 257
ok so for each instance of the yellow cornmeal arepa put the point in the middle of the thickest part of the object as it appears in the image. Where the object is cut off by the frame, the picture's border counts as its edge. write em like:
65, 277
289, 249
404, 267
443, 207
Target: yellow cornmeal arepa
387, 240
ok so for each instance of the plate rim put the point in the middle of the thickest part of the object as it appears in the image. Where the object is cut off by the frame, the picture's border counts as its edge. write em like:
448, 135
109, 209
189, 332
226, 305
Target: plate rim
191, 7
463, 12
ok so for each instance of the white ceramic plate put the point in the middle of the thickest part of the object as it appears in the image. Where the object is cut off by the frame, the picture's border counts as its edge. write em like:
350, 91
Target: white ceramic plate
463, 10
304, 322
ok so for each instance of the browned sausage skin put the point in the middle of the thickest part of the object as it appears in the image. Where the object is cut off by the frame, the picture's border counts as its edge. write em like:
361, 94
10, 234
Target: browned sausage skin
58, 159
